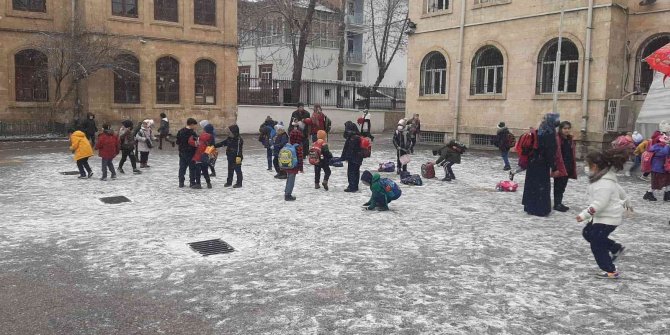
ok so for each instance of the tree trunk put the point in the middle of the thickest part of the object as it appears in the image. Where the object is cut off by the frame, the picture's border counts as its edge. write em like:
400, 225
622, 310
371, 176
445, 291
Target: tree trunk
340, 55
299, 58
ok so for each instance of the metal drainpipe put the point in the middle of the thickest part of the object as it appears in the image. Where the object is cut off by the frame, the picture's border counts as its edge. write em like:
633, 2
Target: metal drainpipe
459, 73
587, 72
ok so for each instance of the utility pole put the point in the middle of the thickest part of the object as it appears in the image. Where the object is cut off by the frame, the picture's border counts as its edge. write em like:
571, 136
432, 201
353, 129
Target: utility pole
557, 65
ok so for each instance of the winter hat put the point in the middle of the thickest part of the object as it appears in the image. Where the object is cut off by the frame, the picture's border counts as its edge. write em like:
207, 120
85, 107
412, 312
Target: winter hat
149, 122
321, 134
366, 177
234, 129
637, 137
209, 129
127, 123
402, 122
203, 123
279, 126
501, 125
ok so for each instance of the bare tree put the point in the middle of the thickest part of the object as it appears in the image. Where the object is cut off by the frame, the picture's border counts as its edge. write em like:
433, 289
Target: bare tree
388, 26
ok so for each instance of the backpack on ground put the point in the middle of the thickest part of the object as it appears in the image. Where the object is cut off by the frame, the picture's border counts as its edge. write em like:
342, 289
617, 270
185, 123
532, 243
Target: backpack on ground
507, 186
315, 154
386, 167
645, 164
428, 170
366, 147
336, 162
412, 180
288, 157
390, 187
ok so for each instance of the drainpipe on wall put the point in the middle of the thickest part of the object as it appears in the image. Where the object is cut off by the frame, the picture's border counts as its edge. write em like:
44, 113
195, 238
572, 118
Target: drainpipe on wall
459, 73
587, 73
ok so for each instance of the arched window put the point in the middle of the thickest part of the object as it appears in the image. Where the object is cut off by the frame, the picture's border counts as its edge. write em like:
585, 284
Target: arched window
433, 74
487, 71
30, 5
31, 71
166, 10
127, 80
204, 12
205, 82
167, 81
644, 75
127, 8
567, 72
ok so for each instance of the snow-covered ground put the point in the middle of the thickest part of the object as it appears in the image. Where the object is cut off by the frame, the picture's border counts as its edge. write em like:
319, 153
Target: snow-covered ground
449, 258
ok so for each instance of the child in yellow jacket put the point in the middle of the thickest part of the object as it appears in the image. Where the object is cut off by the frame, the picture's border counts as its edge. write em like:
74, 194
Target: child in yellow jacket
82, 150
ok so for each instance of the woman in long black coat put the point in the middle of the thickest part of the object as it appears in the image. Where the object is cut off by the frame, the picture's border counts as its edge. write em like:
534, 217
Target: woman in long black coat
537, 188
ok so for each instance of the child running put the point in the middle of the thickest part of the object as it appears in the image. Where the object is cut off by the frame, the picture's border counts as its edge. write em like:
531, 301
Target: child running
384, 191
608, 201
108, 147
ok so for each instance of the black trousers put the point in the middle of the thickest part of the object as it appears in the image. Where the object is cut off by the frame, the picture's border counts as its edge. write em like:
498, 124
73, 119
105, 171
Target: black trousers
186, 162
83, 167
448, 171
317, 172
201, 169
559, 188
162, 137
234, 168
128, 153
412, 142
597, 234
353, 175
144, 157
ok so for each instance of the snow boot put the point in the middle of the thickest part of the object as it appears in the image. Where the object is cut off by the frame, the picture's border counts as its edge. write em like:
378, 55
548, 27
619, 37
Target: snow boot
136, 171
237, 185
507, 168
90, 174
649, 196
452, 176
181, 184
561, 208
113, 176
366, 204
121, 170
227, 184
325, 185
196, 186
511, 175
288, 197
317, 186
666, 196
103, 179
209, 185
446, 178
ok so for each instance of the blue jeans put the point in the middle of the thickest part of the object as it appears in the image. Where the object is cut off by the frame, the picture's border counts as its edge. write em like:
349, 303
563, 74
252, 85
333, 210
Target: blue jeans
290, 183
186, 162
107, 164
505, 157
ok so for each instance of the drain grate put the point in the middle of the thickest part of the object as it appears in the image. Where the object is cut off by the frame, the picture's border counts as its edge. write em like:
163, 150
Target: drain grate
70, 173
211, 247
114, 200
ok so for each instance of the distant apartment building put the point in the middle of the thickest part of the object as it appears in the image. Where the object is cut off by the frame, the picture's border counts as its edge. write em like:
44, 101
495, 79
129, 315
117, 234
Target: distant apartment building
505, 63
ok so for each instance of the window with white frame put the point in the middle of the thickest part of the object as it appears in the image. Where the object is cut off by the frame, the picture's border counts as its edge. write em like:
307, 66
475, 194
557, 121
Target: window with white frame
568, 70
324, 31
354, 75
271, 31
436, 5
265, 74
433, 74
487, 72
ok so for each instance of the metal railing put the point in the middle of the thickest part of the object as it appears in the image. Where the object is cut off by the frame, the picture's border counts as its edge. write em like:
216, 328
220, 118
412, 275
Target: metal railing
355, 58
355, 19
32, 129
281, 92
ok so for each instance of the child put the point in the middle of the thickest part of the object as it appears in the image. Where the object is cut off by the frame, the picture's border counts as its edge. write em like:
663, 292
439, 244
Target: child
324, 161
402, 144
280, 140
186, 152
200, 159
212, 161
642, 147
351, 152
233, 146
127, 142
108, 147
267, 134
383, 190
365, 120
450, 154
82, 150
660, 178
295, 137
164, 132
144, 143
566, 166
608, 201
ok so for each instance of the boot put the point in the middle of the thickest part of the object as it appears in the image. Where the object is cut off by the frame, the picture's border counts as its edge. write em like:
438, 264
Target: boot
317, 186
452, 176
237, 185
511, 175
121, 170
507, 168
209, 185
561, 208
181, 184
288, 197
446, 178
649, 196
136, 171
196, 186
666, 196
227, 184
325, 185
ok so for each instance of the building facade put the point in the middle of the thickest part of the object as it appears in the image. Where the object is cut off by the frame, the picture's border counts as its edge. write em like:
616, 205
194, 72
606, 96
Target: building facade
502, 67
185, 52
269, 54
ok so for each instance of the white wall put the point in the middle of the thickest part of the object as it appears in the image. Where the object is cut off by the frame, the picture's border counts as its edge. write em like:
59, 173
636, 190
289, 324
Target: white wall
249, 118
319, 63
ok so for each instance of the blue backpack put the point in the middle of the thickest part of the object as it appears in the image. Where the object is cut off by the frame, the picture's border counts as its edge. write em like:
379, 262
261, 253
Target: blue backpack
391, 188
386, 167
288, 157
412, 180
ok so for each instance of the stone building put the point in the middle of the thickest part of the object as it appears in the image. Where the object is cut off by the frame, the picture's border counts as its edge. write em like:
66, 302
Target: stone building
185, 52
502, 68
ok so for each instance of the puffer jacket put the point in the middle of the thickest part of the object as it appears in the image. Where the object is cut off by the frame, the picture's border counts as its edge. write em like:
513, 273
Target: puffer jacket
351, 152
80, 145
606, 200
234, 144
107, 145
450, 153
661, 152
204, 140
401, 141
142, 136
295, 137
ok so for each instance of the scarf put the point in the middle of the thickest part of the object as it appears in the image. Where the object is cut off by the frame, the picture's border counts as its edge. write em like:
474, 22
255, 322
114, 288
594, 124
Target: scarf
597, 176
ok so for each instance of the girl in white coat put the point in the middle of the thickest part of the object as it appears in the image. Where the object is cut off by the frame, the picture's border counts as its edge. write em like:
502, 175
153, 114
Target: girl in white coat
608, 202
144, 140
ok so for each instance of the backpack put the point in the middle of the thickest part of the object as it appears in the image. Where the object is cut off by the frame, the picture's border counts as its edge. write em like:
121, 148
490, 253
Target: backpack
404, 174
366, 147
391, 189
328, 125
412, 180
386, 167
511, 140
526, 146
336, 162
315, 152
209, 155
428, 170
288, 157
507, 186
645, 164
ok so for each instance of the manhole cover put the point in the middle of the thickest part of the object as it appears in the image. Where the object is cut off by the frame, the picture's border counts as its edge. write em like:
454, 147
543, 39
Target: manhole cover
70, 173
114, 200
211, 247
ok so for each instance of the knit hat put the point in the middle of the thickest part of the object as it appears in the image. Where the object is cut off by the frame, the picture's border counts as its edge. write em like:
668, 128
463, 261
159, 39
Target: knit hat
402, 122
637, 137
279, 126
203, 123
366, 177
501, 125
321, 134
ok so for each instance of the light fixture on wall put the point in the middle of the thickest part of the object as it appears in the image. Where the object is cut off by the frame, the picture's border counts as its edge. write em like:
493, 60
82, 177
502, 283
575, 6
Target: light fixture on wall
411, 27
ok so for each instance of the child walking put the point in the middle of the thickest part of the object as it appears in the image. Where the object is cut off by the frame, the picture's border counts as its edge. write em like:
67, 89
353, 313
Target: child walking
383, 190
322, 162
82, 150
164, 132
108, 147
280, 140
608, 202
233, 144
200, 158
144, 142
295, 137
127, 141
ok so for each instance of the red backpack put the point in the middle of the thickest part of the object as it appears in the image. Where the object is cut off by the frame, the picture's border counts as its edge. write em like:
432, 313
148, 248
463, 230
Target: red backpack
525, 147
428, 170
315, 152
366, 147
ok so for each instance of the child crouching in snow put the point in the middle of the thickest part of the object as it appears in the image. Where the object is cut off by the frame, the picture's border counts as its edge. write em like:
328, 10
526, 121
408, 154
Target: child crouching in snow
608, 202
384, 191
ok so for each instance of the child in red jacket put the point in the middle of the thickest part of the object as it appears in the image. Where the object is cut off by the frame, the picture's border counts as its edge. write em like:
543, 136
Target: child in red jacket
108, 147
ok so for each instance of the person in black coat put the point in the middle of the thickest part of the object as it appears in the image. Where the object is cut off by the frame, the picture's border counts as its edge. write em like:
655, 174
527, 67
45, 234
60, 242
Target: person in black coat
299, 115
503, 143
89, 128
352, 154
537, 188
186, 152
234, 145
402, 143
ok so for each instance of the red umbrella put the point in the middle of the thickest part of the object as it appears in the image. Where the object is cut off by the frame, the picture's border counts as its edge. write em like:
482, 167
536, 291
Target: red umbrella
660, 60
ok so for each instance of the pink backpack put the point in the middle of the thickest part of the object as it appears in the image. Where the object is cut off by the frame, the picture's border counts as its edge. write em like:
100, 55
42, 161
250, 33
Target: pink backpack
645, 165
507, 186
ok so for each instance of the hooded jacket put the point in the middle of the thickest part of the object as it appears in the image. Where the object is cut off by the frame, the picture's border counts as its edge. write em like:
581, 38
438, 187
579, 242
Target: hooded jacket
234, 143
143, 136
561, 169
661, 152
325, 151
204, 141
501, 140
401, 140
279, 141
126, 135
164, 128
380, 196
107, 145
607, 200
295, 137
351, 152
80, 145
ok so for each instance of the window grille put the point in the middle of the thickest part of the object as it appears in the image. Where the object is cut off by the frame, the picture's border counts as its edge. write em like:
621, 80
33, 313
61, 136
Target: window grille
644, 75
432, 137
568, 71
481, 140
487, 72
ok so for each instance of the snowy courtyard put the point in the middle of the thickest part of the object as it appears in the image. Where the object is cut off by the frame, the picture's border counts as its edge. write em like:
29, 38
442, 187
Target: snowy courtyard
449, 258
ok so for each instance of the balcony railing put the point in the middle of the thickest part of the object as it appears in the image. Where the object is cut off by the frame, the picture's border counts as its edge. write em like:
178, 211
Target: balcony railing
355, 19
355, 58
